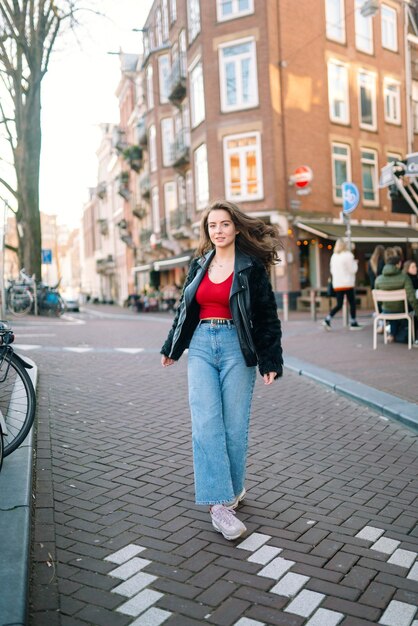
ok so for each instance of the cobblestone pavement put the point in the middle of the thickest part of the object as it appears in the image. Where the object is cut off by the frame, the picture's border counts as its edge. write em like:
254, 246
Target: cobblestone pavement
331, 508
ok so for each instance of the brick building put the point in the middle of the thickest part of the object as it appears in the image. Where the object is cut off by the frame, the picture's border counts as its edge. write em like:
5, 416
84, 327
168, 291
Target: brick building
233, 97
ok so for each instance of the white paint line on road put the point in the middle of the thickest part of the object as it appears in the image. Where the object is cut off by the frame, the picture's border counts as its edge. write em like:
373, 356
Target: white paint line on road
37, 335
87, 349
26, 346
130, 350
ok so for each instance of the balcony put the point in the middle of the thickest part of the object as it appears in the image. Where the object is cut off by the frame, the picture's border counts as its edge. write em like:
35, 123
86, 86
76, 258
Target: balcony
123, 188
106, 265
133, 156
181, 149
180, 223
101, 190
139, 211
144, 237
141, 133
145, 186
103, 226
119, 142
177, 83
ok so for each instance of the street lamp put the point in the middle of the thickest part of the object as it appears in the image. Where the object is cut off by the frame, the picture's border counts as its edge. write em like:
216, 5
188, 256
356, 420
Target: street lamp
369, 8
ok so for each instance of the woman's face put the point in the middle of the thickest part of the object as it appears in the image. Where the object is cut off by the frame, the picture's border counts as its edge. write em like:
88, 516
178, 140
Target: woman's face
412, 269
221, 228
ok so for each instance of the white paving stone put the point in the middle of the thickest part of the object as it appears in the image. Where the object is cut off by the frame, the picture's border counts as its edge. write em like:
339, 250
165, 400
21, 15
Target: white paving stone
134, 584
289, 585
245, 621
254, 541
305, 603
413, 574
153, 617
324, 617
124, 554
370, 533
403, 558
139, 603
398, 614
264, 555
129, 568
387, 546
276, 568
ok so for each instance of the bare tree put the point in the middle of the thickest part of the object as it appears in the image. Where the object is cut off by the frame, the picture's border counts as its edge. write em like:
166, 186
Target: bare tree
28, 32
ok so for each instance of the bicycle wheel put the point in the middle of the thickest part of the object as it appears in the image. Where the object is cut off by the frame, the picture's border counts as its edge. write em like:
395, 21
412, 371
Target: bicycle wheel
1, 448
19, 301
17, 402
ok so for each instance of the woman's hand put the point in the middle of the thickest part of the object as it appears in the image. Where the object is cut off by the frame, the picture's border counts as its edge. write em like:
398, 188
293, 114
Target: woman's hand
166, 361
268, 378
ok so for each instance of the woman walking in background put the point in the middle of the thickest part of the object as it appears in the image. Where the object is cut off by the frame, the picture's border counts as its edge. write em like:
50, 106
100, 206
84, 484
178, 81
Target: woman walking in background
227, 317
343, 267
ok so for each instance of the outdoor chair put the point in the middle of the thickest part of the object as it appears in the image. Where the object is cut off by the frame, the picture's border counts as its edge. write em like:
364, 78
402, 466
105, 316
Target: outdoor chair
397, 295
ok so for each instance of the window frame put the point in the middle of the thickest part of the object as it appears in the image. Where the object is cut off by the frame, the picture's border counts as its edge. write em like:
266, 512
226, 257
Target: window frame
163, 80
328, 23
387, 82
365, 73
253, 76
358, 20
167, 140
194, 22
197, 103
201, 202
243, 180
331, 84
385, 20
152, 148
336, 157
375, 177
155, 210
149, 76
235, 13
170, 184
173, 11
165, 20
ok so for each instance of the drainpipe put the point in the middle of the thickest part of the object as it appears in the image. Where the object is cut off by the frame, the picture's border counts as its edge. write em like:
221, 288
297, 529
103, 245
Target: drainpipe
408, 79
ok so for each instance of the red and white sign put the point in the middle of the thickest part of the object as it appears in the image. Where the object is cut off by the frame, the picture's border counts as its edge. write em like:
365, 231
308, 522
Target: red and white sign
302, 176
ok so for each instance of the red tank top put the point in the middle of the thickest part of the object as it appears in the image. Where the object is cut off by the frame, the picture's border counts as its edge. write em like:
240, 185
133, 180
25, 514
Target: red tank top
213, 298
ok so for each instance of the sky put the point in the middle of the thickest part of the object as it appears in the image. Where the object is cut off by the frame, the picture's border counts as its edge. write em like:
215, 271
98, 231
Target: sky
78, 94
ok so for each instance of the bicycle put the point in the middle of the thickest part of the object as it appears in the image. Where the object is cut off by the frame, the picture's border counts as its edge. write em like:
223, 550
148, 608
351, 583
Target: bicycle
19, 295
17, 395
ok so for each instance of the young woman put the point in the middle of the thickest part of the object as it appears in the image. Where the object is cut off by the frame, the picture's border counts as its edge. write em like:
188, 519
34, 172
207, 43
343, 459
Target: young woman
343, 267
227, 317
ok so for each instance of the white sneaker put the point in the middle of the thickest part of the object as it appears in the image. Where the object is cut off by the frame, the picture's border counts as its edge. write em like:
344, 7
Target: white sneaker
225, 522
235, 502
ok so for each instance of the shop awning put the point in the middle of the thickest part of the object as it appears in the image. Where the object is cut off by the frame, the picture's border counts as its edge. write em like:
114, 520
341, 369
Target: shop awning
361, 233
180, 260
142, 268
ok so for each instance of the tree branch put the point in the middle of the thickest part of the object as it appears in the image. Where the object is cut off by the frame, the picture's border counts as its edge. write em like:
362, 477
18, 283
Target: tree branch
9, 188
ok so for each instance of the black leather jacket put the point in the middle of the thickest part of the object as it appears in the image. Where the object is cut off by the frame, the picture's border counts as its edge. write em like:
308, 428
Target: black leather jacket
253, 308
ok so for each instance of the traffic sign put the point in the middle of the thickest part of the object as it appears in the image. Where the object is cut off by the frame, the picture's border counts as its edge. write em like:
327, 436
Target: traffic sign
302, 176
351, 197
46, 256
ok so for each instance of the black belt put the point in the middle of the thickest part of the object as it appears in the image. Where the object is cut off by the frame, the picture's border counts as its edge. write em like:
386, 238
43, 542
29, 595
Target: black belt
217, 322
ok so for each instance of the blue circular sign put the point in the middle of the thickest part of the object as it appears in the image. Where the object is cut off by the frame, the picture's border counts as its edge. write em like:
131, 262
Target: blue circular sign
351, 197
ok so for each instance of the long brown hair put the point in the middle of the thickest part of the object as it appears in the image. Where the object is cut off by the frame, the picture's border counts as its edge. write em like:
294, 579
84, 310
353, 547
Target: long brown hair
255, 237
377, 255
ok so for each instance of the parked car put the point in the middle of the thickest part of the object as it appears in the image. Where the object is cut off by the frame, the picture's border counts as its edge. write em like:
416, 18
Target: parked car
72, 302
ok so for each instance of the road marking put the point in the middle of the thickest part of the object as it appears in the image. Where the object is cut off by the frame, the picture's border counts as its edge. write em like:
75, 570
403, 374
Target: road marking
25, 346
86, 349
130, 350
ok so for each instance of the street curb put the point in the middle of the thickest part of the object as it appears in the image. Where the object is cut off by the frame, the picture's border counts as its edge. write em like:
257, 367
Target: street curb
15, 524
387, 404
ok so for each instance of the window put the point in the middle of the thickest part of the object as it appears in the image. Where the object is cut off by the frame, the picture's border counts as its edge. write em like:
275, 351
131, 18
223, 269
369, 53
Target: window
230, 9
158, 29
164, 77
367, 100
150, 87
193, 18
341, 169
183, 50
197, 94
155, 208
165, 19
173, 11
335, 20
152, 143
393, 156
415, 105
364, 30
238, 76
243, 171
369, 176
170, 200
338, 92
389, 28
146, 45
189, 189
167, 140
201, 176
392, 96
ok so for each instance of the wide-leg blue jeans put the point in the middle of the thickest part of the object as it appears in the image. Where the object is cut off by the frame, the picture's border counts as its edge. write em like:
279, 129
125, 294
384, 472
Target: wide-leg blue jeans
220, 393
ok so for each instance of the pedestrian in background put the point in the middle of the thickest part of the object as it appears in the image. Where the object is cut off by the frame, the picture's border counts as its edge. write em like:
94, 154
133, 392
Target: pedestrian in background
227, 317
343, 268
410, 269
375, 264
